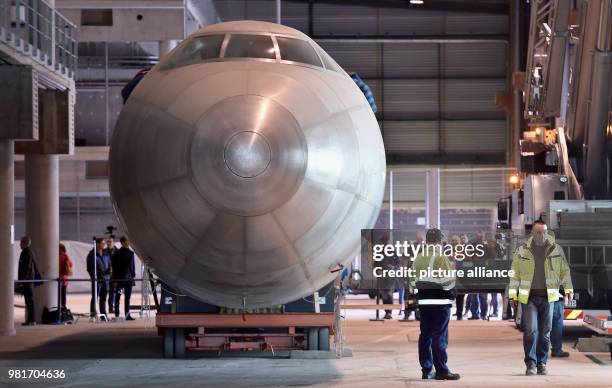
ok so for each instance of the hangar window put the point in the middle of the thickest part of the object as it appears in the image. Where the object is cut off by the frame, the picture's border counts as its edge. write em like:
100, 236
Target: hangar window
298, 51
250, 46
96, 17
193, 51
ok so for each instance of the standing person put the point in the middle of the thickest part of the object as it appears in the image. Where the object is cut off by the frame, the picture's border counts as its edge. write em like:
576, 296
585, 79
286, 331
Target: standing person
27, 271
492, 251
463, 238
540, 268
435, 297
124, 268
95, 262
107, 256
387, 284
65, 271
479, 305
556, 332
459, 300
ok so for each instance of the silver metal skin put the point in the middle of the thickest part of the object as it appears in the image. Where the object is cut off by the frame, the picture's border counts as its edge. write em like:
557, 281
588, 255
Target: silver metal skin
242, 182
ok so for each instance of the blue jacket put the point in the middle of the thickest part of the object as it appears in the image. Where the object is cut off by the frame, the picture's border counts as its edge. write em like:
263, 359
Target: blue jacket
101, 269
365, 89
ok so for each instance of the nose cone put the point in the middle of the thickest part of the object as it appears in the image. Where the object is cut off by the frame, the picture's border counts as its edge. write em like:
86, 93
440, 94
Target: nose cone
247, 154
248, 180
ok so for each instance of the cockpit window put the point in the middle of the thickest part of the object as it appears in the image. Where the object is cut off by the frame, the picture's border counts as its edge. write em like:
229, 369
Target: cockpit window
330, 64
250, 46
196, 50
298, 51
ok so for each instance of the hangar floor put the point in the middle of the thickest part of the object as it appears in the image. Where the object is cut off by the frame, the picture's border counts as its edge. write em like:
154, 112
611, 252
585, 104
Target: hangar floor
126, 354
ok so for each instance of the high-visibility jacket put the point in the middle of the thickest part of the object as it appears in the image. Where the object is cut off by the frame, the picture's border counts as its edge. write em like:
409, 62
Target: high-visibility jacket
433, 290
556, 271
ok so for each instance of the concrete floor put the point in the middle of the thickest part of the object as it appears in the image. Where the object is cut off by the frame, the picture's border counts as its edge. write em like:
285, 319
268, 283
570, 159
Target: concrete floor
117, 354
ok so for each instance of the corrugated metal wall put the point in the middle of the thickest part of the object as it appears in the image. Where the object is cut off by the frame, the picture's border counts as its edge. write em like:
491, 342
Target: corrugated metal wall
469, 185
434, 99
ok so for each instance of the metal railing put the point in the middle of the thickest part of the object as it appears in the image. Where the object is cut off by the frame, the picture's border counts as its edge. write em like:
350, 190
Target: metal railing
38, 30
128, 62
144, 307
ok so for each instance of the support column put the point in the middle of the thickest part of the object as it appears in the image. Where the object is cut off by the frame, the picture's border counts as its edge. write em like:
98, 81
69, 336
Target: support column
432, 198
7, 261
42, 224
165, 46
596, 168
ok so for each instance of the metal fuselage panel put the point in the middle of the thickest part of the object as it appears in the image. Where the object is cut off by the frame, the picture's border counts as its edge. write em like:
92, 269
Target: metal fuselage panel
242, 182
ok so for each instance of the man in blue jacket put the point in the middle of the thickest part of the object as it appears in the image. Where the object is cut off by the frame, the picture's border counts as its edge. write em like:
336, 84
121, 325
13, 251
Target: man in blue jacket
97, 271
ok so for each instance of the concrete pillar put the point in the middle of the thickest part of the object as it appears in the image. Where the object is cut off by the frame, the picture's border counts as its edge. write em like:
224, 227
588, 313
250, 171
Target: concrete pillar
165, 46
42, 224
432, 198
7, 261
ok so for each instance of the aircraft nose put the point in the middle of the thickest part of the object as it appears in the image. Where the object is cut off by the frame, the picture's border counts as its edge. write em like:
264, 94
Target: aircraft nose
248, 155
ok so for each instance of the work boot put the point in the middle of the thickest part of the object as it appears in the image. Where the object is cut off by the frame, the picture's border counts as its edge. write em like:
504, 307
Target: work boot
429, 375
473, 318
542, 370
560, 354
129, 318
531, 371
387, 316
447, 376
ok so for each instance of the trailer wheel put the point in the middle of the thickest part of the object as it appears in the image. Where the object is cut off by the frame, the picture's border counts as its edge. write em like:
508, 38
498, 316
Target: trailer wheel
313, 338
168, 343
179, 343
324, 338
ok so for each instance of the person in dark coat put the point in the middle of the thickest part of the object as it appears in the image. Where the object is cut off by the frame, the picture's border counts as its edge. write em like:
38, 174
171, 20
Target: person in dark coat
96, 269
124, 271
107, 256
386, 285
27, 271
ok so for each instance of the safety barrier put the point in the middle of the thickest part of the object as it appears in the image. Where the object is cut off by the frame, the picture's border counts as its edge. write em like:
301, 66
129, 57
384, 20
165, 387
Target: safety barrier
36, 29
94, 283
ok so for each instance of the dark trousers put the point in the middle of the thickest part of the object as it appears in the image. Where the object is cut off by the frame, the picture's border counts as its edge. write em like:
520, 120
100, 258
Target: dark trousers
484, 305
459, 300
478, 305
556, 333
111, 296
102, 292
434, 338
124, 288
28, 294
387, 298
494, 303
63, 296
468, 303
509, 311
537, 321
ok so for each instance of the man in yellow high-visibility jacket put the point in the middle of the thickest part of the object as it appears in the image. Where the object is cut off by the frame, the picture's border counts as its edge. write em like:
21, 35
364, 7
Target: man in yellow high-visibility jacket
435, 293
540, 268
